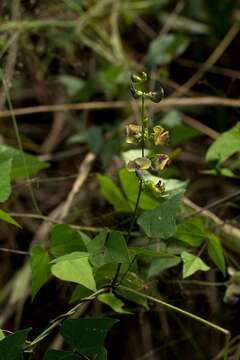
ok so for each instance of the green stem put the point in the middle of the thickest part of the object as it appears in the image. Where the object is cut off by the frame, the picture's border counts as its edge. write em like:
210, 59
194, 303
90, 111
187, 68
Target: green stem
188, 314
114, 281
62, 317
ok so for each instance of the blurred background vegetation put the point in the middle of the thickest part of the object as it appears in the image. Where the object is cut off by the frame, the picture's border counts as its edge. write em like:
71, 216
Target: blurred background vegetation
67, 65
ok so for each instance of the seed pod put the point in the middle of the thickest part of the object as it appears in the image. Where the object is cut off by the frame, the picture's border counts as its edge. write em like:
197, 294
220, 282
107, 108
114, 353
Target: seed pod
161, 161
160, 137
133, 133
156, 96
139, 78
136, 93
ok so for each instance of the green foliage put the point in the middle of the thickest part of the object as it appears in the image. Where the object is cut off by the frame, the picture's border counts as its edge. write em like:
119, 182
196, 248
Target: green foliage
113, 302
215, 251
5, 181
7, 218
112, 193
75, 267
11, 347
225, 146
158, 265
165, 48
108, 247
87, 336
60, 355
40, 268
191, 231
161, 222
21, 162
179, 131
191, 264
65, 240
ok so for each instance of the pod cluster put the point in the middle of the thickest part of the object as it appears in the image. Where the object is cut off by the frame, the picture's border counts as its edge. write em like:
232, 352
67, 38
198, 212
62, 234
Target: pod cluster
157, 136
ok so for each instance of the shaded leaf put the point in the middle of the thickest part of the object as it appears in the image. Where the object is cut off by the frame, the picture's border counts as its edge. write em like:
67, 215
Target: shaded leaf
191, 231
108, 248
165, 48
87, 335
60, 355
160, 264
5, 181
65, 240
11, 347
40, 268
215, 251
161, 222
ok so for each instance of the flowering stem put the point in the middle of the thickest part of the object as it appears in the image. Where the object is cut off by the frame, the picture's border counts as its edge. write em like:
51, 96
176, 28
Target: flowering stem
114, 281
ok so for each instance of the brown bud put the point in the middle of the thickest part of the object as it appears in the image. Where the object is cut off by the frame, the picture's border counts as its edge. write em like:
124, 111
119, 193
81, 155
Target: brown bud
133, 133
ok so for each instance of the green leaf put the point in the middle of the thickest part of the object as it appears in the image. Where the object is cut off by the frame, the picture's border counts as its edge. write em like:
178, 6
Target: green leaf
75, 267
160, 264
180, 132
40, 268
2, 336
79, 293
225, 146
191, 231
18, 171
108, 248
191, 264
215, 251
130, 186
60, 355
11, 347
165, 48
112, 194
65, 240
87, 335
161, 222
5, 181
7, 218
133, 281
114, 302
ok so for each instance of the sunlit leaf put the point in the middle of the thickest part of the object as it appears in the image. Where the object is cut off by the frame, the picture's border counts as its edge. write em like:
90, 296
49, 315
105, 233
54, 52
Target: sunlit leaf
114, 302
7, 218
227, 144
75, 267
191, 264
112, 194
